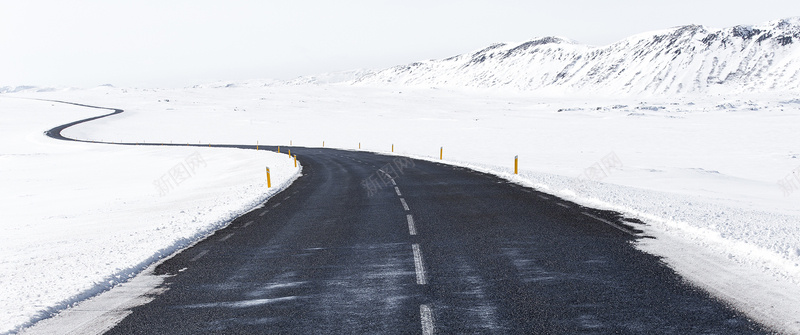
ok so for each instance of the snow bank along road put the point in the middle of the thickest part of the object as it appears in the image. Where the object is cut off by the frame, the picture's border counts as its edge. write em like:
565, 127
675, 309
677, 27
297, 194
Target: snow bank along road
367, 243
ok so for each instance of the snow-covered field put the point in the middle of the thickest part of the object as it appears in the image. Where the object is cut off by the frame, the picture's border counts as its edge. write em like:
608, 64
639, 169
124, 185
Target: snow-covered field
703, 172
78, 218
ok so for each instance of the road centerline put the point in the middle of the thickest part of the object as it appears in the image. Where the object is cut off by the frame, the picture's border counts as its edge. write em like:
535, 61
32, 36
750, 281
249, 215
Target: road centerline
419, 267
412, 229
405, 205
426, 318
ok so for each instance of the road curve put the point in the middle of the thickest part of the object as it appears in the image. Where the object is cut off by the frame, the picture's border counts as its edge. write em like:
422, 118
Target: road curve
56, 131
368, 243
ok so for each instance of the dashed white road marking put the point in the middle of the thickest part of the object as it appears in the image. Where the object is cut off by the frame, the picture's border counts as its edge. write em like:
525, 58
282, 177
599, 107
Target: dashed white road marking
405, 205
563, 205
247, 224
543, 197
426, 315
200, 255
276, 205
608, 223
393, 183
411, 228
287, 197
419, 267
263, 213
397, 190
226, 237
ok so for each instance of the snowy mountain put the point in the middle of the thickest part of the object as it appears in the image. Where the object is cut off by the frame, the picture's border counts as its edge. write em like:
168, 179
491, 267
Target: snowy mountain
679, 60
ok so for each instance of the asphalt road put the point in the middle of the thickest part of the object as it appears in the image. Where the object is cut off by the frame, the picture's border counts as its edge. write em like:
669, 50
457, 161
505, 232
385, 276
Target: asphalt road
366, 243
434, 247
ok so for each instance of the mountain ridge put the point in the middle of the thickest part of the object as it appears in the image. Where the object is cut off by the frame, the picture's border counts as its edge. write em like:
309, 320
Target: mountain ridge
683, 59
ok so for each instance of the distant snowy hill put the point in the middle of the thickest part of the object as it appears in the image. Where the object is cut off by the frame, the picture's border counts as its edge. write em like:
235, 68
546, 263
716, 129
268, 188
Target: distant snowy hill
16, 89
329, 78
684, 59
38, 89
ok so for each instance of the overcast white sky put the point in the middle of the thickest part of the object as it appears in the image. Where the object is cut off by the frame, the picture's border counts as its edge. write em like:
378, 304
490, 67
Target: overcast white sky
162, 43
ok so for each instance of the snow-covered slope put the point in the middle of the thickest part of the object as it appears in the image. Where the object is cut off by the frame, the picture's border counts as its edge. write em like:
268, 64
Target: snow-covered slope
328, 78
679, 60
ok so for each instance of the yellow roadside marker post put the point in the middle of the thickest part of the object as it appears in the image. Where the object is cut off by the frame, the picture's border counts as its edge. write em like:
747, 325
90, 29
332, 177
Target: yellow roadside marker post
290, 152
359, 145
295, 160
441, 151
269, 183
392, 147
256, 145
516, 164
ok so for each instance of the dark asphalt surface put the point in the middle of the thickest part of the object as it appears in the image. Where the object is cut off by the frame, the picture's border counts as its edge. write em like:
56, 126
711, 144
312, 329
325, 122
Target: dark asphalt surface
326, 257
331, 256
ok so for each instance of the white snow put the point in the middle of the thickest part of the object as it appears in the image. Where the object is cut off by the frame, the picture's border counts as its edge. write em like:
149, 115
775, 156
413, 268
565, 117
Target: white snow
702, 171
79, 218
